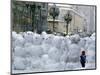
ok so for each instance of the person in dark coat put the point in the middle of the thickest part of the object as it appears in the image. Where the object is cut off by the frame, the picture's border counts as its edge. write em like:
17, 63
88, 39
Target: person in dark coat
83, 59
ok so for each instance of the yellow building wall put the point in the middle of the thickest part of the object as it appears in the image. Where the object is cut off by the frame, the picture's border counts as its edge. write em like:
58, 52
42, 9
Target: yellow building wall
76, 24
74, 27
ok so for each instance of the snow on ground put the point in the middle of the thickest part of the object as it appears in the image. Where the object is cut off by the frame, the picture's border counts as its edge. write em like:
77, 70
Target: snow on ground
32, 52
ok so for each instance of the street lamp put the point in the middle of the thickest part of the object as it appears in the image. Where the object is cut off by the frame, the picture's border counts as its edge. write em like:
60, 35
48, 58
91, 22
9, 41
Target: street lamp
33, 8
44, 14
37, 18
68, 19
54, 12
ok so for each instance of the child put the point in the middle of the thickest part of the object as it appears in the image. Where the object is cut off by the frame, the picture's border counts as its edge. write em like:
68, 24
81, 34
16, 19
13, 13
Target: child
83, 59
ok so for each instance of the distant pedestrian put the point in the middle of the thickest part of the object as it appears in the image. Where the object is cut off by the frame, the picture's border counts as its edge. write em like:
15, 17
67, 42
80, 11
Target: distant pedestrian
83, 59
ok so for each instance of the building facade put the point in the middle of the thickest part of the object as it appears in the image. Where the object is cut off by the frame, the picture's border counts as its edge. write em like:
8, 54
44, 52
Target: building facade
29, 16
76, 25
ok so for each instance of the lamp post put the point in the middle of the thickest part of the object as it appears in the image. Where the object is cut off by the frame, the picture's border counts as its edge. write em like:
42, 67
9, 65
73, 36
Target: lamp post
33, 7
54, 12
68, 19
38, 18
44, 19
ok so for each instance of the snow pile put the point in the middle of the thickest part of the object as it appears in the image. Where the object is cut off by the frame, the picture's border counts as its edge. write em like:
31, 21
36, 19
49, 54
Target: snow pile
47, 52
19, 63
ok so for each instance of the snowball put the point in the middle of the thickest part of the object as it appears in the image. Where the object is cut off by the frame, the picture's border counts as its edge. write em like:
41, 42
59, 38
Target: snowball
45, 56
46, 60
64, 46
75, 38
36, 64
89, 43
27, 44
54, 54
14, 35
64, 56
35, 50
47, 40
19, 40
19, 63
28, 37
56, 41
82, 42
44, 33
37, 40
45, 48
74, 53
29, 32
19, 51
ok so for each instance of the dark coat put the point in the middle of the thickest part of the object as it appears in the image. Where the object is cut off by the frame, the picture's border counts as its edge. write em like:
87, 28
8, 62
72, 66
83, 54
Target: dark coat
83, 58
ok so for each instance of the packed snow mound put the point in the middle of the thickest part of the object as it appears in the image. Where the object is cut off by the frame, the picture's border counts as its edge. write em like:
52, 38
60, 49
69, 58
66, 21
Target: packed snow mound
19, 51
82, 42
35, 50
19, 41
19, 63
74, 53
14, 35
54, 54
75, 38
48, 52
